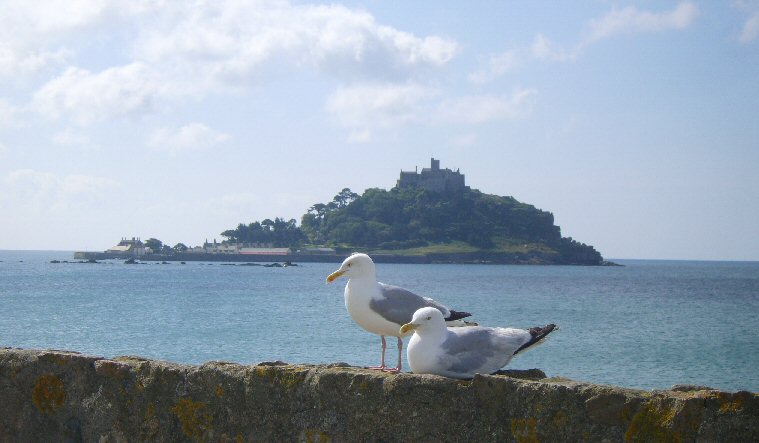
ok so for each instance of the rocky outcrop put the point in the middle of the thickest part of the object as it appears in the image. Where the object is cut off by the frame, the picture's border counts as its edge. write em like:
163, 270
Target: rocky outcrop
65, 396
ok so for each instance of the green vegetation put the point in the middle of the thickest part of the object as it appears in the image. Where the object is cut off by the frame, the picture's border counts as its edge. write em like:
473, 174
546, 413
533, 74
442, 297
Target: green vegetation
420, 222
279, 233
407, 218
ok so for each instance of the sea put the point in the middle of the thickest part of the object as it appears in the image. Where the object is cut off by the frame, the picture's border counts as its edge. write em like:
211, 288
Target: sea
648, 324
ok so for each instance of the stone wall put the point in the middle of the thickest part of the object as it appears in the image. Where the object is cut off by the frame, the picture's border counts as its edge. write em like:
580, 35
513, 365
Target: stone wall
65, 396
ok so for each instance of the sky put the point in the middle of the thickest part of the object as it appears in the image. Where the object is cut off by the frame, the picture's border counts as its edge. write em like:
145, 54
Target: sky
636, 123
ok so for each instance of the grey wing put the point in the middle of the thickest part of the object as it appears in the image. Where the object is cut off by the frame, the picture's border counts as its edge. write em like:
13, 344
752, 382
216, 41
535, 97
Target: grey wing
480, 350
467, 352
398, 305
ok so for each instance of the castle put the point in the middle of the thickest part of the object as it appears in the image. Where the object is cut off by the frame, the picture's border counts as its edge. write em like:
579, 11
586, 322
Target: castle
432, 179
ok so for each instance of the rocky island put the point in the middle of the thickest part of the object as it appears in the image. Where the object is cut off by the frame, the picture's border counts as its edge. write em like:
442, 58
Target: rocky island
428, 217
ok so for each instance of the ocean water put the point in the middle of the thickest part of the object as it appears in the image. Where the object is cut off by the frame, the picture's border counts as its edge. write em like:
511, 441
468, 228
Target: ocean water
648, 324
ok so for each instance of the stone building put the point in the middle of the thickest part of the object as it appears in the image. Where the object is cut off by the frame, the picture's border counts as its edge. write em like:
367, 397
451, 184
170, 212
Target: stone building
133, 247
432, 179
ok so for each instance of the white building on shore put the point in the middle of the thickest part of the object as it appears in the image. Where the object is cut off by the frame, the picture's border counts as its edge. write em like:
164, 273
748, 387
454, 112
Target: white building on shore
133, 247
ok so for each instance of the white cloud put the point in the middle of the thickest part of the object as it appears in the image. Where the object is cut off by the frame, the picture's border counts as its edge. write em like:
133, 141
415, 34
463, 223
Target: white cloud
177, 50
465, 140
41, 17
45, 191
17, 62
87, 97
367, 107
750, 29
233, 43
497, 65
631, 20
33, 34
7, 113
544, 50
69, 137
364, 135
194, 136
475, 109
84, 184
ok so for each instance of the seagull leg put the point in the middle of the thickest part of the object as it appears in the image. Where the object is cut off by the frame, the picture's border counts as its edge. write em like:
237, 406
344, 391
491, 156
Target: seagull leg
382, 363
400, 354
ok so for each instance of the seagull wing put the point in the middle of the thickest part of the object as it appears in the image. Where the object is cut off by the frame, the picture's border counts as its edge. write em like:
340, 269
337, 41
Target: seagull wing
467, 351
398, 305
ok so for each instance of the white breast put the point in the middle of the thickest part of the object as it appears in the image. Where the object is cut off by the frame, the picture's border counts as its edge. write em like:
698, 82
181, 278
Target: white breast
422, 355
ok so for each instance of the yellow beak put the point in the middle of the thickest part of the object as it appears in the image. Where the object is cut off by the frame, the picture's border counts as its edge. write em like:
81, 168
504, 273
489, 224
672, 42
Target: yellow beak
408, 327
333, 276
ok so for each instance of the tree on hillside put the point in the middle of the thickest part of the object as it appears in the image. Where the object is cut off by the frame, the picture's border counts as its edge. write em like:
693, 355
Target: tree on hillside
311, 221
278, 232
344, 198
413, 217
154, 244
401, 218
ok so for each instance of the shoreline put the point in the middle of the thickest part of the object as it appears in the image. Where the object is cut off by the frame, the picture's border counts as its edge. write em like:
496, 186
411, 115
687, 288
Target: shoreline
432, 258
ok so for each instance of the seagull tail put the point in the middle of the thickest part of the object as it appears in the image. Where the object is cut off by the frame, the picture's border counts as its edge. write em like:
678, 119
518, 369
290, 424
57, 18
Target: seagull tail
457, 315
538, 334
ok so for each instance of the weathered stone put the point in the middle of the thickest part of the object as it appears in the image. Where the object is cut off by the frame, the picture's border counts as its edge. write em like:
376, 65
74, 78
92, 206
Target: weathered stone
63, 396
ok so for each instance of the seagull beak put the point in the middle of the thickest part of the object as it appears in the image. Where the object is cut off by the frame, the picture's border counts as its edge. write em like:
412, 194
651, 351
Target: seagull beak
408, 327
333, 276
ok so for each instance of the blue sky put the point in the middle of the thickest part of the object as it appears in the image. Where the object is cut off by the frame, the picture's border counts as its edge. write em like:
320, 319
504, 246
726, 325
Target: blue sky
636, 123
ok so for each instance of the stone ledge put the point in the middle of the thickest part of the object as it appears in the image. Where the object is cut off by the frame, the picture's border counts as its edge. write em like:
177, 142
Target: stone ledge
66, 396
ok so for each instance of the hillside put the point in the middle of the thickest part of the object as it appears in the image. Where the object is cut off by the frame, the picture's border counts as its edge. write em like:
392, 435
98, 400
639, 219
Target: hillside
458, 225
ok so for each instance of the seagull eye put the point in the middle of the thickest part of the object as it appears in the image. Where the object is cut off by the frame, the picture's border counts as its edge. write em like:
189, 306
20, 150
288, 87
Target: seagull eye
429, 318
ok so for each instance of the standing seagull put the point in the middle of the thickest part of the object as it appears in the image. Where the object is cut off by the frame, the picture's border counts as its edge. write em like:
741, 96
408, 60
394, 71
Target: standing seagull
381, 309
463, 352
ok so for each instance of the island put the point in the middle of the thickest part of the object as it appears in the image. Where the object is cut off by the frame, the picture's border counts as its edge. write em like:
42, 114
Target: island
430, 216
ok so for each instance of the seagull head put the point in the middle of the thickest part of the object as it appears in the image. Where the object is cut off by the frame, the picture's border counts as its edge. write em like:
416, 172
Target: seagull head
355, 266
425, 319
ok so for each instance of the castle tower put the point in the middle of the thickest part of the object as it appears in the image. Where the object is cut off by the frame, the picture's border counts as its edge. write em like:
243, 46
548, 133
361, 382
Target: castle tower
432, 178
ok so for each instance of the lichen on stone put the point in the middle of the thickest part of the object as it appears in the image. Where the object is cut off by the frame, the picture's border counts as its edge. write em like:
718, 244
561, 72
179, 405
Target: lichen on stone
48, 394
286, 376
524, 430
655, 421
193, 417
315, 436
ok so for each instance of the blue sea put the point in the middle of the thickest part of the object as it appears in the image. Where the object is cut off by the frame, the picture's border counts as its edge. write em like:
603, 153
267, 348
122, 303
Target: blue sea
647, 324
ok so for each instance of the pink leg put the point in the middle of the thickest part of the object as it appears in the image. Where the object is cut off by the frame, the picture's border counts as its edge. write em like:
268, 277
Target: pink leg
400, 354
382, 363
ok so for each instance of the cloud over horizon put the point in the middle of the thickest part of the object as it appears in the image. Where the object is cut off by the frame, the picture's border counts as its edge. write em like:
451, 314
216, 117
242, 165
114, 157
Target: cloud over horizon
173, 53
87, 97
192, 137
45, 192
631, 20
626, 21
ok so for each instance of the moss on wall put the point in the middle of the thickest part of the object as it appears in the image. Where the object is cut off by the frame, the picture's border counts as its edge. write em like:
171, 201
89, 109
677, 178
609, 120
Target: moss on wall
64, 396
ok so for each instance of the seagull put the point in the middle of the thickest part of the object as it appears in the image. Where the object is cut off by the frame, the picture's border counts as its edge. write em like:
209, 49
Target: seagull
380, 308
463, 352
